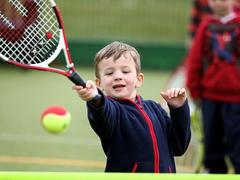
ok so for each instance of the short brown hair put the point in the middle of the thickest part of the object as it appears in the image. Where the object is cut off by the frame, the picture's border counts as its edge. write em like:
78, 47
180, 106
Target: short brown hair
116, 50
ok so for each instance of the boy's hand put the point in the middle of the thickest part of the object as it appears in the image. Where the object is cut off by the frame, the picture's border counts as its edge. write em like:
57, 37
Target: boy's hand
87, 93
175, 97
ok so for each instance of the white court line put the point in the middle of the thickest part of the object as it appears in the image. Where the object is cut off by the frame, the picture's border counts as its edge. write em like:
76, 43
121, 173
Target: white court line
51, 139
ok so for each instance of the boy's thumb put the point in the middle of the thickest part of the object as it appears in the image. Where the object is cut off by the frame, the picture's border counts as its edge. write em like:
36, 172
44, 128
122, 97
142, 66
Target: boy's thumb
90, 84
163, 94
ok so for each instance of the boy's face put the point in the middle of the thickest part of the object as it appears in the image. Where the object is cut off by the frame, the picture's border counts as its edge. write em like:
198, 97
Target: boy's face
119, 79
221, 8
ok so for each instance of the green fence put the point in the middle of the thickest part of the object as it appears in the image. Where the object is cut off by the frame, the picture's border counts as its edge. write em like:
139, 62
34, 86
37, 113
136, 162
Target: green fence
153, 56
157, 28
132, 20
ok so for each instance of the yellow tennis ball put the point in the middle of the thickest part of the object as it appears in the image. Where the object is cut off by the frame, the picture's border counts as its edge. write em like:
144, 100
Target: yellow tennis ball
55, 119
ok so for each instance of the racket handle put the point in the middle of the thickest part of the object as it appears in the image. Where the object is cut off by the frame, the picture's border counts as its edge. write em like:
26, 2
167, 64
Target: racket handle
76, 79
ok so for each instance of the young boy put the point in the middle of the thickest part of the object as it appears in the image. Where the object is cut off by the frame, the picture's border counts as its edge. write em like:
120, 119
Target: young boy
136, 134
213, 78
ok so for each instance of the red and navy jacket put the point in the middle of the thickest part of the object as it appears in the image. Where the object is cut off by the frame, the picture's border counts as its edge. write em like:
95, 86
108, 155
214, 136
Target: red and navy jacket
214, 61
140, 137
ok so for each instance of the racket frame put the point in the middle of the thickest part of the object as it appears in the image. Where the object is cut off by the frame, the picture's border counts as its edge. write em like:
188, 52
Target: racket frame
70, 72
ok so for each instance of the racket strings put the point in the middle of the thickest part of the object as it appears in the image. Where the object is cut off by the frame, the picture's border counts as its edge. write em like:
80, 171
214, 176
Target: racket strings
19, 15
19, 6
35, 43
4, 20
40, 36
5, 12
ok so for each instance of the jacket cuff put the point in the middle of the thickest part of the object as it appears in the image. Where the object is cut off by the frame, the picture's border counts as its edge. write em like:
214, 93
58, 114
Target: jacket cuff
185, 104
96, 105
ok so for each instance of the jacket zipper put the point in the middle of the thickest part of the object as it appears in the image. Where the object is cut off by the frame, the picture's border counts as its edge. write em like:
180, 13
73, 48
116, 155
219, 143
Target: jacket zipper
135, 166
153, 136
152, 133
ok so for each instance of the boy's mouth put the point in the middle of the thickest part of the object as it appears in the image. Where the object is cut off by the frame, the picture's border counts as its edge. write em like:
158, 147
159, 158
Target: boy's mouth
118, 86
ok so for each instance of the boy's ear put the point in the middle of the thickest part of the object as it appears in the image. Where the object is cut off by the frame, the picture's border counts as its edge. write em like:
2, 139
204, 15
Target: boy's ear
98, 82
140, 78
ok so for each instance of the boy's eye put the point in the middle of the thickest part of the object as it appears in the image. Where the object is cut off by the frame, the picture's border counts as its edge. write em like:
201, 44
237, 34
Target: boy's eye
125, 71
108, 73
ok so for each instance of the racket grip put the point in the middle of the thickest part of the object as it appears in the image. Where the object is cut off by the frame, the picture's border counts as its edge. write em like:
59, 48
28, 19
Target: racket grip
76, 79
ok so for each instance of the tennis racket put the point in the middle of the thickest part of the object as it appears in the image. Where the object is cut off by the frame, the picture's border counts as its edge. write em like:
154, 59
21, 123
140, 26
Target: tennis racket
32, 36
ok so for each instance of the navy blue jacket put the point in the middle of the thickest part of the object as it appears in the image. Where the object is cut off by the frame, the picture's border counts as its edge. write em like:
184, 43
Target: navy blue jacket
140, 137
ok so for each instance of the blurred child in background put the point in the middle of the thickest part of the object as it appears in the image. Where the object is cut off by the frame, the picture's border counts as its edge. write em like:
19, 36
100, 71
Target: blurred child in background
199, 11
213, 79
137, 135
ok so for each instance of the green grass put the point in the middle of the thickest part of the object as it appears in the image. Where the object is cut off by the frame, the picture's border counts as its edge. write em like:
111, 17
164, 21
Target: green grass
133, 20
111, 176
24, 95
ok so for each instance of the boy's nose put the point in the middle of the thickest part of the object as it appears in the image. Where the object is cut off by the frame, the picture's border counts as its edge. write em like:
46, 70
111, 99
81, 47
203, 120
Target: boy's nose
118, 76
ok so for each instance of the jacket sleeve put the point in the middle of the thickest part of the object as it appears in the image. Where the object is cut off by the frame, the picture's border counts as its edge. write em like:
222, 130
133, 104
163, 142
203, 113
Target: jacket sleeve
180, 131
194, 64
104, 117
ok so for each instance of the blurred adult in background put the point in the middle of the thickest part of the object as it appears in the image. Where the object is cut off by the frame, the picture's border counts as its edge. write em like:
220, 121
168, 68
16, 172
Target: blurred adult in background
213, 79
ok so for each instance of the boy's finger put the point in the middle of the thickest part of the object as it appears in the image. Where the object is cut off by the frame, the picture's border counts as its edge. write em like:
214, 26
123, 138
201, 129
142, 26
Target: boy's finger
162, 93
90, 84
182, 92
75, 87
176, 92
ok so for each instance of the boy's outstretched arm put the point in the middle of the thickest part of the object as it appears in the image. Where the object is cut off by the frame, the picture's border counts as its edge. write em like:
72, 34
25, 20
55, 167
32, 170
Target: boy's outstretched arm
175, 97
